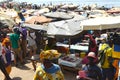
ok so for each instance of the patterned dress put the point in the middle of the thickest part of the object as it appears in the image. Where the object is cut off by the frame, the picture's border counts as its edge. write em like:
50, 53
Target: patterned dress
53, 73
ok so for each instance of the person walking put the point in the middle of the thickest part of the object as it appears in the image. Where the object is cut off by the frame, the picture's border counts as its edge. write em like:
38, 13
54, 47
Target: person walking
23, 31
6, 54
32, 48
31, 42
15, 44
2, 65
106, 60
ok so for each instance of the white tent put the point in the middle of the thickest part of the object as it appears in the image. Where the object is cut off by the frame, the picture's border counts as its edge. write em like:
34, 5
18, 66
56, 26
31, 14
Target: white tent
61, 15
74, 27
101, 23
69, 27
64, 28
41, 11
6, 21
35, 27
61, 28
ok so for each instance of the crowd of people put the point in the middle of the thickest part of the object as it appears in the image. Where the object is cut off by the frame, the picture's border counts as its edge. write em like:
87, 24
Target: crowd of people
15, 44
100, 63
103, 58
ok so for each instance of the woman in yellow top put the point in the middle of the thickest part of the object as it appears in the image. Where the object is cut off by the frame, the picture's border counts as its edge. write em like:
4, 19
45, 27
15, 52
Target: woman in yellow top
48, 70
107, 68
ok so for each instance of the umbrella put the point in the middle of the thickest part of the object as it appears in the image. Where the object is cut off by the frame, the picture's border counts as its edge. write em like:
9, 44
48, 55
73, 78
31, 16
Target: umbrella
44, 10
36, 27
69, 6
101, 23
76, 17
64, 28
97, 13
113, 10
29, 11
41, 11
59, 15
4, 16
6, 21
39, 19
11, 13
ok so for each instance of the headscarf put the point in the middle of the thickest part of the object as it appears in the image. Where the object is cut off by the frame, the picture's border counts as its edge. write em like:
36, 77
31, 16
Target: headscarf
49, 54
5, 41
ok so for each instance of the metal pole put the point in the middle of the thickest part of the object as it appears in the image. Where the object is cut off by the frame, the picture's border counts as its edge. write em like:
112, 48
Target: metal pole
69, 45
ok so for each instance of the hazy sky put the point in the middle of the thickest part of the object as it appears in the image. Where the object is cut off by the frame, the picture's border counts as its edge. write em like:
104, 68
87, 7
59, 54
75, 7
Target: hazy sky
77, 1
59, 0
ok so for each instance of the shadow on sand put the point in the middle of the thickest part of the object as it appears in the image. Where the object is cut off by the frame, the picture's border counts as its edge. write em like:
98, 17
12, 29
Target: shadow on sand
23, 67
17, 78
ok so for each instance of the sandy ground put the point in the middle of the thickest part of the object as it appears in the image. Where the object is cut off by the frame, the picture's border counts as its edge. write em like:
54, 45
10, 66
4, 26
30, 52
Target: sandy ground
26, 72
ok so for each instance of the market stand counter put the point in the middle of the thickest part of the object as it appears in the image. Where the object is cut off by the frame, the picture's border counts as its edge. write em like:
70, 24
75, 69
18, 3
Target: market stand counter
70, 62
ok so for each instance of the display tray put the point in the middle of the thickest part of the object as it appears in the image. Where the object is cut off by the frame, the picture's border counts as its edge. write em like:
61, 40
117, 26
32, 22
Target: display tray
70, 61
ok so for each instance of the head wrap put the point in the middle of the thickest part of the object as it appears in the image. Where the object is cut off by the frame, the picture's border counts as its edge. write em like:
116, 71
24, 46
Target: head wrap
91, 54
49, 54
5, 41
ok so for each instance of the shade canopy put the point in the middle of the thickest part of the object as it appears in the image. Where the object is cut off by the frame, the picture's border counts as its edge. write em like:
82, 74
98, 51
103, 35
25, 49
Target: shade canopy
39, 19
35, 27
68, 27
59, 15
76, 26
101, 23
64, 28
6, 21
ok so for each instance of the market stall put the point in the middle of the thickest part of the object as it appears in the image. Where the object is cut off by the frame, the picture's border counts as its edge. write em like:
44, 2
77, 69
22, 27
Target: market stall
70, 62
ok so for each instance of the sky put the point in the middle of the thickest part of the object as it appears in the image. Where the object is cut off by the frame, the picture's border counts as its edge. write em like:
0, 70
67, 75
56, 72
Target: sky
66, 1
45, 0
57, 0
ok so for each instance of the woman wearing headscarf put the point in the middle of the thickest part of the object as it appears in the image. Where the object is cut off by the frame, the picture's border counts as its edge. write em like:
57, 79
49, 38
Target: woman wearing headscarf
90, 71
6, 54
2, 64
48, 70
